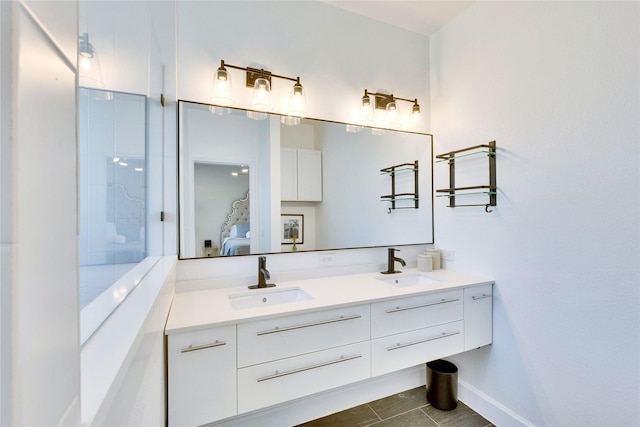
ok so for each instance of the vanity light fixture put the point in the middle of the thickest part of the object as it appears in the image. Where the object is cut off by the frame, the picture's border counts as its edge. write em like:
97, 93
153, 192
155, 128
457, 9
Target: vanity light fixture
260, 81
89, 70
388, 103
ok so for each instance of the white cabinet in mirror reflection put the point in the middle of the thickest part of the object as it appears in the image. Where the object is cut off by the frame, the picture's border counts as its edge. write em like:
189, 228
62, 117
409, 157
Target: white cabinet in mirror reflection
300, 175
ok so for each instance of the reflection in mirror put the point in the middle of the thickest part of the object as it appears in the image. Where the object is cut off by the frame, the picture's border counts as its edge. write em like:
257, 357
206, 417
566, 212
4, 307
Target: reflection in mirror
112, 184
315, 170
216, 188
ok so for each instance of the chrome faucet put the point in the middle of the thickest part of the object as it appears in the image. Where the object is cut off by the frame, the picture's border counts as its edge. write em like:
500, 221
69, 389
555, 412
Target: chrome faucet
263, 275
392, 259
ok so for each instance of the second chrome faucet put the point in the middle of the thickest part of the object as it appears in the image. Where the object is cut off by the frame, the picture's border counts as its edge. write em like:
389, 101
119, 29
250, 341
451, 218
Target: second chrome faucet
391, 262
263, 275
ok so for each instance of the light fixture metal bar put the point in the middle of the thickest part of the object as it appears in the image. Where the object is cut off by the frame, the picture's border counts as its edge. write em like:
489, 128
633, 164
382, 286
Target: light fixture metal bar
255, 73
382, 99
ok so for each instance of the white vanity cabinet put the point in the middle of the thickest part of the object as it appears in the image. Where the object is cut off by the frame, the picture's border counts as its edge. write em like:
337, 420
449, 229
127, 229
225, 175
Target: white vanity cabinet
257, 362
414, 330
300, 175
288, 357
201, 376
478, 316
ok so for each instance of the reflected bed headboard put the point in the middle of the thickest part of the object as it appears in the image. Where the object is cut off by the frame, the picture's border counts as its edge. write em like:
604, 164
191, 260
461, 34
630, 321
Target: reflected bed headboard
239, 213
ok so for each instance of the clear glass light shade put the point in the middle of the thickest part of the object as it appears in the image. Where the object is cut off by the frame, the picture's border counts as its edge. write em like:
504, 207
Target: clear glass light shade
290, 120
89, 69
366, 116
297, 106
221, 88
393, 118
261, 100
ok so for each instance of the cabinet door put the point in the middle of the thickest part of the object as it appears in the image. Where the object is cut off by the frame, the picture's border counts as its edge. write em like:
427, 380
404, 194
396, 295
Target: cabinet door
202, 376
288, 174
478, 316
309, 175
286, 379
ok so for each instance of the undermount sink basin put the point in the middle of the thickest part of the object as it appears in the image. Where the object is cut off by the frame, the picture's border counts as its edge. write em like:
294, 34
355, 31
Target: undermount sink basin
409, 279
267, 297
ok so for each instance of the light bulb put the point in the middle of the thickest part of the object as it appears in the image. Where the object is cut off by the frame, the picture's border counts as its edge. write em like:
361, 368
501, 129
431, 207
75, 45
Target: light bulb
85, 63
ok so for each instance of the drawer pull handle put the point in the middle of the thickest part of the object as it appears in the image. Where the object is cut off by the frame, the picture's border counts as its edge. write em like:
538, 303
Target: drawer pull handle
203, 346
483, 296
307, 325
319, 365
443, 335
411, 307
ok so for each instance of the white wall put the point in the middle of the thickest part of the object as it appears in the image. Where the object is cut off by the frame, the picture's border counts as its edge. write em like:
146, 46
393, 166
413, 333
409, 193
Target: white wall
556, 84
40, 335
337, 54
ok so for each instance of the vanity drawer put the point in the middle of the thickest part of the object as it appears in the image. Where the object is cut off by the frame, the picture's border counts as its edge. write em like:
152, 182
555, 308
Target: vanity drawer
406, 314
281, 337
401, 351
201, 376
282, 380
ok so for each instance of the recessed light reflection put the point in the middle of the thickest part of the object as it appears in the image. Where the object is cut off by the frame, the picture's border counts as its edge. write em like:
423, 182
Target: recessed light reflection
120, 293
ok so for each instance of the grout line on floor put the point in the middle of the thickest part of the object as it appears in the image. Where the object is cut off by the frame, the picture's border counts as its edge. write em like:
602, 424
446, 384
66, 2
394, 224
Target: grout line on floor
419, 408
372, 410
428, 416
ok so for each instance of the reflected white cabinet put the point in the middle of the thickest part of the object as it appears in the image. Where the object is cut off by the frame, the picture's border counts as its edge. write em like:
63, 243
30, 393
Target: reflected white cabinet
201, 376
478, 316
300, 175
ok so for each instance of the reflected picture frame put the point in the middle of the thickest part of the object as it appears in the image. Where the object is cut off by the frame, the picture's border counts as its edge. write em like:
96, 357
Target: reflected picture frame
291, 225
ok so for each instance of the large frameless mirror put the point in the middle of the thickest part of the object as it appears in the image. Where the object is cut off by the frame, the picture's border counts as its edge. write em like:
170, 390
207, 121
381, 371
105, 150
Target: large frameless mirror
259, 186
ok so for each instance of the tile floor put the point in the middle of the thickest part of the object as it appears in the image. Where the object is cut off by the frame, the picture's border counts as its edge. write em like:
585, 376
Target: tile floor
407, 409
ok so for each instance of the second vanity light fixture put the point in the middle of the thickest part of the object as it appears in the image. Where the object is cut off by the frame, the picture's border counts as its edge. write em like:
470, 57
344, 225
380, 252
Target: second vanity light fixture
388, 103
260, 81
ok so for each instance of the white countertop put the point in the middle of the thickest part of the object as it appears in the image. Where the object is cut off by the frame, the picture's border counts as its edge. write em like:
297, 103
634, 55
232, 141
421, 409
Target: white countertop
202, 309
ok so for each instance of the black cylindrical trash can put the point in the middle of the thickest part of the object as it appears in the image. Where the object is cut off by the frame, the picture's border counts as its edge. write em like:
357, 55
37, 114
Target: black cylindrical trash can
442, 384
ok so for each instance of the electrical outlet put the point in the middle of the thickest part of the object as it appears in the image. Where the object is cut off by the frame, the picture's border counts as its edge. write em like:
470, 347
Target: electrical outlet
447, 255
327, 260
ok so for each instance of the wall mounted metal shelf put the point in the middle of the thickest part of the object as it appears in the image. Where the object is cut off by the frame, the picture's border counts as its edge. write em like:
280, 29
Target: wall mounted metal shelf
394, 197
490, 190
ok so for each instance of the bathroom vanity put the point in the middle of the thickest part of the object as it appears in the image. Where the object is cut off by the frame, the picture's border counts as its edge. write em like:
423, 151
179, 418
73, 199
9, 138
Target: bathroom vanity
232, 351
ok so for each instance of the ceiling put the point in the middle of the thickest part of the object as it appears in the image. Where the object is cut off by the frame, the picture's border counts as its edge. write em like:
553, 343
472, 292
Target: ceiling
421, 16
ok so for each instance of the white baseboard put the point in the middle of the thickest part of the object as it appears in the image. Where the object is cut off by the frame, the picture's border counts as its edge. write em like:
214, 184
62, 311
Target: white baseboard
321, 404
489, 408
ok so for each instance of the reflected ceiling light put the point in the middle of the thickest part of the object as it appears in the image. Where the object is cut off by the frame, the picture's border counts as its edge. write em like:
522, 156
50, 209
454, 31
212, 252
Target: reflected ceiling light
390, 107
260, 81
